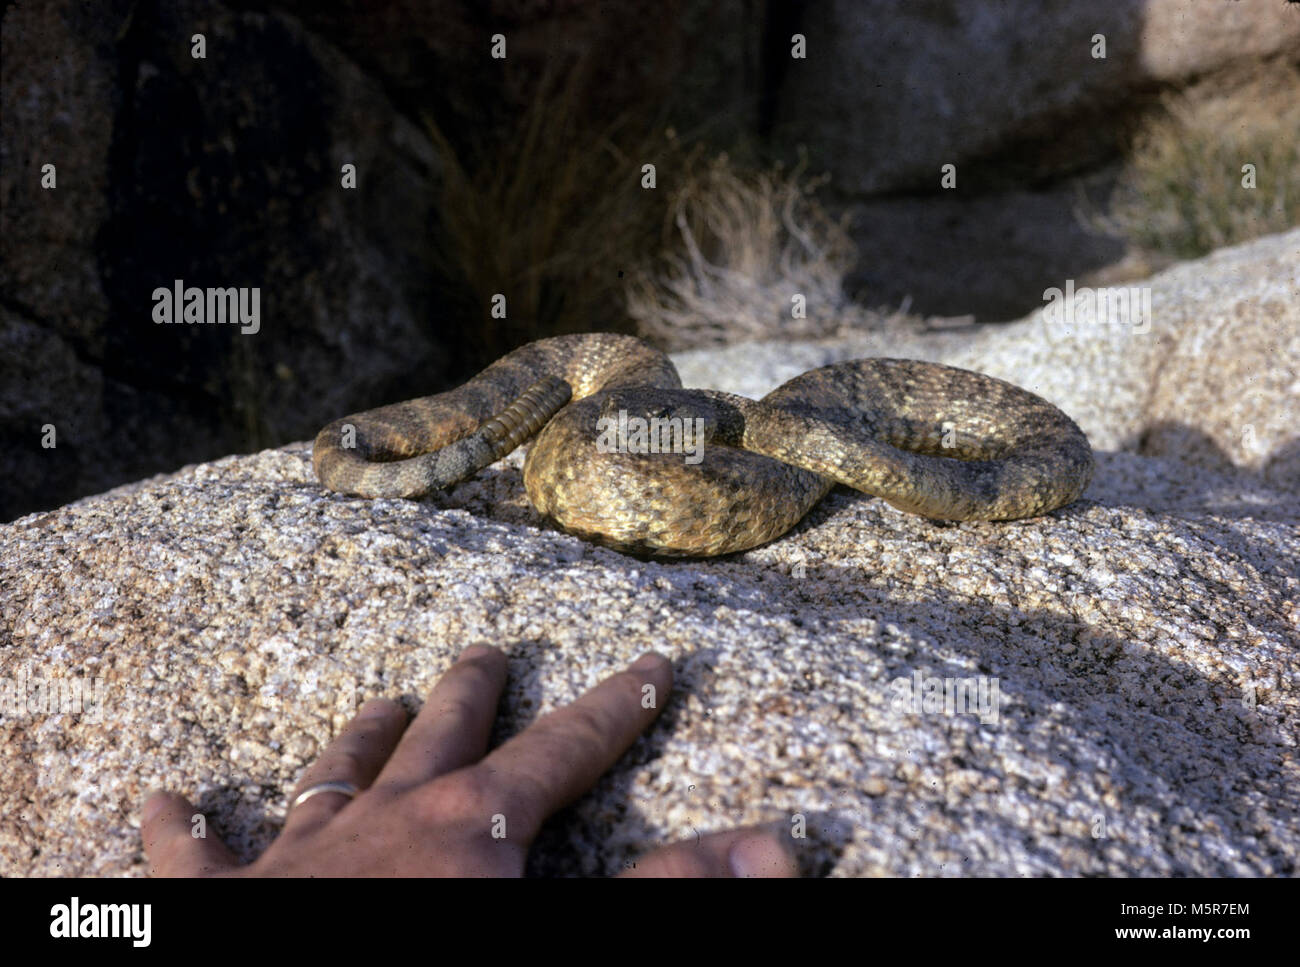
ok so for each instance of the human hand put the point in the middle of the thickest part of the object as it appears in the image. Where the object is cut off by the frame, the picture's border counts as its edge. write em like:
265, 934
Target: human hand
431, 799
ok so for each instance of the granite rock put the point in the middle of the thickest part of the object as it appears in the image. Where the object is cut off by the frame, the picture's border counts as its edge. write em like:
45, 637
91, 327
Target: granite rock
1131, 659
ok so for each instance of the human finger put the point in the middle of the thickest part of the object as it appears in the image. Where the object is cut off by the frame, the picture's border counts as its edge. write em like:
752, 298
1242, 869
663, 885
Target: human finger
453, 727
355, 757
176, 841
734, 853
559, 757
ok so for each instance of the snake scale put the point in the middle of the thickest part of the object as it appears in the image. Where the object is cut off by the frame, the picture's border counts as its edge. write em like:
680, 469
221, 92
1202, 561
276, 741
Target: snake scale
944, 443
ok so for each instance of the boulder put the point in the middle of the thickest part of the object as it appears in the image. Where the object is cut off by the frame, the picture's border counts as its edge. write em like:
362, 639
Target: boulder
167, 170
1122, 675
887, 93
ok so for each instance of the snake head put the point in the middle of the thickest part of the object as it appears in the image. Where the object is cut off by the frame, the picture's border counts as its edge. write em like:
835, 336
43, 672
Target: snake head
657, 404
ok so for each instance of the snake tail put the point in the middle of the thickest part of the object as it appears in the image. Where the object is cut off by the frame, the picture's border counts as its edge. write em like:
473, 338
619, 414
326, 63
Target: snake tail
376, 466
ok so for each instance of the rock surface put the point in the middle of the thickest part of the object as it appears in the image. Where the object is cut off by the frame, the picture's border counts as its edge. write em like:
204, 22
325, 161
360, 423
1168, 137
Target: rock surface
1142, 642
886, 94
1010, 94
223, 171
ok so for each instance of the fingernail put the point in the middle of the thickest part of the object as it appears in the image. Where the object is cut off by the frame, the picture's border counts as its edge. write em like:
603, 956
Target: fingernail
154, 804
758, 855
647, 662
377, 708
475, 651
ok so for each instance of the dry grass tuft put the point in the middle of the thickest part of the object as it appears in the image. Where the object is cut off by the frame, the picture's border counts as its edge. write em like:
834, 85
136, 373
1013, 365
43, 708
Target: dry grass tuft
552, 219
1181, 192
738, 246
556, 219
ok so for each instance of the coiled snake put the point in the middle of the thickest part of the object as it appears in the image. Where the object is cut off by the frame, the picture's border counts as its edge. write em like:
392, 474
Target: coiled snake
932, 440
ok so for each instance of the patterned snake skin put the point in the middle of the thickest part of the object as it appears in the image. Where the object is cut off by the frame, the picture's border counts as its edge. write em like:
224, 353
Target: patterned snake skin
887, 427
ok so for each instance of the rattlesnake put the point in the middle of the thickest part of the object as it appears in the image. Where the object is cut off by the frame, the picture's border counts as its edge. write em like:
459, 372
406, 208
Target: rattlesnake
887, 427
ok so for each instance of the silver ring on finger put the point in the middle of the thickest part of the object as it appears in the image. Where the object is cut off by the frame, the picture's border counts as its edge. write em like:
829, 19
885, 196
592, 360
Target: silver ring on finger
346, 788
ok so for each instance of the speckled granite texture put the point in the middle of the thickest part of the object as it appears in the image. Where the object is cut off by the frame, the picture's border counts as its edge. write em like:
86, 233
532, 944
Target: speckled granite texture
1140, 645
